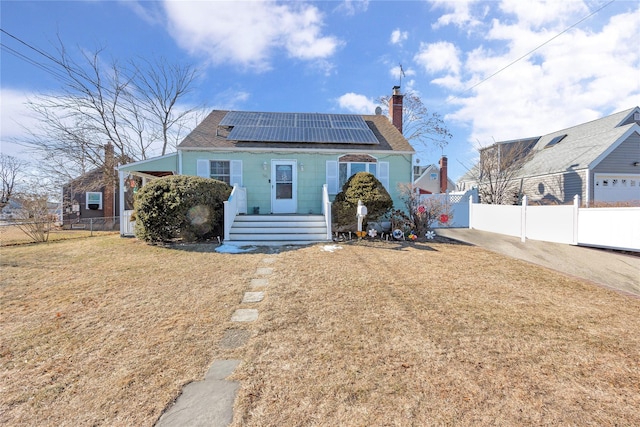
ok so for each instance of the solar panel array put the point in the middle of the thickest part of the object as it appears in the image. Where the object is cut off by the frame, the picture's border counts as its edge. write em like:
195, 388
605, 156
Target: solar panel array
298, 127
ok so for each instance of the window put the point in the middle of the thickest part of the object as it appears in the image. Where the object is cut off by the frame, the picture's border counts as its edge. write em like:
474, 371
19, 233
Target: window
338, 172
555, 140
348, 169
229, 171
221, 170
94, 200
434, 176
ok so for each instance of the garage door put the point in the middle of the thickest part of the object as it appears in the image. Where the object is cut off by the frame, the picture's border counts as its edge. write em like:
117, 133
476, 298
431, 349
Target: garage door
616, 187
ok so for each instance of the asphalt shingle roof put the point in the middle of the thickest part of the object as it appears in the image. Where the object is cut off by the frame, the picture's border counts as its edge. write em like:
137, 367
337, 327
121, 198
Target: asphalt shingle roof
209, 135
583, 144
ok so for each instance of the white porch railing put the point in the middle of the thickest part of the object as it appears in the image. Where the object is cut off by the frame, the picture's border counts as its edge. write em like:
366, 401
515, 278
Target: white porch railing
237, 204
326, 209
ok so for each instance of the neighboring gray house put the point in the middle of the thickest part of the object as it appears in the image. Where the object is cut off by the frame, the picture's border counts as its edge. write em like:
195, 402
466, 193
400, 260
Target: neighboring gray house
597, 160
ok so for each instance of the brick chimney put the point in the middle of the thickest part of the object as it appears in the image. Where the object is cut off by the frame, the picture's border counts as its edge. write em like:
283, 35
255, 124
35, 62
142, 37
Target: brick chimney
395, 108
444, 181
108, 194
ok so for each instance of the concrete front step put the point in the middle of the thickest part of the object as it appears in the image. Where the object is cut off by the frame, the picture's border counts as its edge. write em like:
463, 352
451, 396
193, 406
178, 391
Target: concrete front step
277, 230
278, 218
279, 236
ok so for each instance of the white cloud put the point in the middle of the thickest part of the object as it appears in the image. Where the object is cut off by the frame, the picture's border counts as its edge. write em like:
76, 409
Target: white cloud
397, 36
583, 74
249, 34
357, 103
460, 13
351, 7
537, 14
438, 57
231, 99
150, 12
16, 117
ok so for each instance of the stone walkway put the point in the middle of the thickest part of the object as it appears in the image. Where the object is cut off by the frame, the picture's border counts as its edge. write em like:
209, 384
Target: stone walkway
210, 402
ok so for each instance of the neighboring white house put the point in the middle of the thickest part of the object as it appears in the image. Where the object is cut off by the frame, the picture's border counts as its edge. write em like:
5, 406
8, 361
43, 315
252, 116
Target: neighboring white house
430, 179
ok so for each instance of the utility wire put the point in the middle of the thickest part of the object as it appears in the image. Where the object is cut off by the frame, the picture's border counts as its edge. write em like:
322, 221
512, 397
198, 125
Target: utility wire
31, 61
66, 67
531, 51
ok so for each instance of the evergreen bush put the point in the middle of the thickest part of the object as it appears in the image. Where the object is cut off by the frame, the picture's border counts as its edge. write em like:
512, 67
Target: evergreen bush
179, 206
361, 186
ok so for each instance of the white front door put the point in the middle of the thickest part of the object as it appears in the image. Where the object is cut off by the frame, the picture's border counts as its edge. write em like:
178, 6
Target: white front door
284, 186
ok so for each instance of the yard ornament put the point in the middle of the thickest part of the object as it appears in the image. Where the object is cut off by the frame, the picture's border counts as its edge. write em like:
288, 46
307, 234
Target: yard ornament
430, 234
373, 233
361, 212
398, 234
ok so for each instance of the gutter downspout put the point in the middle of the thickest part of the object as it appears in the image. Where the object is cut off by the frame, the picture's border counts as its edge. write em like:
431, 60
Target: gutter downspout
587, 195
179, 168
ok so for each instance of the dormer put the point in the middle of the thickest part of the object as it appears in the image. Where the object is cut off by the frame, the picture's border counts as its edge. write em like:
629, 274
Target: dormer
633, 117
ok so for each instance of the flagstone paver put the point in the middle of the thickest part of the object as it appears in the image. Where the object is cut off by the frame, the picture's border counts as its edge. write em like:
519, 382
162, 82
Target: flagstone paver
205, 403
264, 271
252, 297
234, 338
259, 283
245, 315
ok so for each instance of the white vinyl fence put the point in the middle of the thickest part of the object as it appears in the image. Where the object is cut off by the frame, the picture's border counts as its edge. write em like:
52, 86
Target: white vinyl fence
458, 204
616, 228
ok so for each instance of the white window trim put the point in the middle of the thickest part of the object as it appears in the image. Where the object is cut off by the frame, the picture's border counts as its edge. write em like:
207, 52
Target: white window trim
203, 169
333, 174
87, 199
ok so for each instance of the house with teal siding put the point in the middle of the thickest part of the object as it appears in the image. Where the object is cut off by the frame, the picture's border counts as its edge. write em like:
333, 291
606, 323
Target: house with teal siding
285, 168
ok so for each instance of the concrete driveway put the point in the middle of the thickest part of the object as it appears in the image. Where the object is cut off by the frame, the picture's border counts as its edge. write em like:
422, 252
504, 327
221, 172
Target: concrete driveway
606, 268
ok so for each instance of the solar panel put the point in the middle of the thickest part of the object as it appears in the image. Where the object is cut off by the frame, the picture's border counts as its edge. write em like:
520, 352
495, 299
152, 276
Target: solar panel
298, 127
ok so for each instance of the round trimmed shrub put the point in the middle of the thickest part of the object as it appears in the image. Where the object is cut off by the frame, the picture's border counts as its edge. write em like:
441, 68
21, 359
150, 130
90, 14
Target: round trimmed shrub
179, 206
361, 186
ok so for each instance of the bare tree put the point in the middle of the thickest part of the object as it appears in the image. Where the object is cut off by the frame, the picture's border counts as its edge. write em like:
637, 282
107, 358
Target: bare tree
420, 127
161, 85
33, 217
423, 212
496, 173
105, 107
10, 168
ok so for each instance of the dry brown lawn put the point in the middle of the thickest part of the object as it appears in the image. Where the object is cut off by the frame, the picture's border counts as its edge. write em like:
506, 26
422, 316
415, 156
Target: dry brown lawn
12, 235
106, 331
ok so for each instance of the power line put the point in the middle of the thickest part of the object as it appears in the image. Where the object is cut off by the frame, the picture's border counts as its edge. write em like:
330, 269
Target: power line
46, 68
31, 61
531, 51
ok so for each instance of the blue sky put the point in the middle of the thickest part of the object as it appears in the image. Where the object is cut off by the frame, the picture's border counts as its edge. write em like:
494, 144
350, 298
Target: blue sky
340, 56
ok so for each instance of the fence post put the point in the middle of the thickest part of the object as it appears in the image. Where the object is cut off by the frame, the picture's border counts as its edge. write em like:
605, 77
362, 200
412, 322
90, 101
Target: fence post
470, 211
91, 227
576, 211
523, 229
